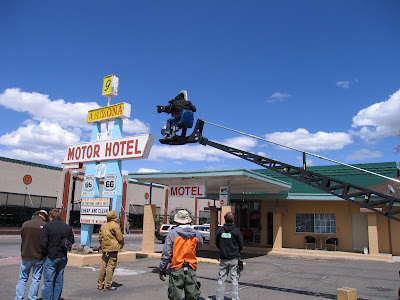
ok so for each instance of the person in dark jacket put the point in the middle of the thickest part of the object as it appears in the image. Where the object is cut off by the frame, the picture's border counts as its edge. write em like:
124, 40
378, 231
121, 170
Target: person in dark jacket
31, 256
229, 241
175, 108
52, 245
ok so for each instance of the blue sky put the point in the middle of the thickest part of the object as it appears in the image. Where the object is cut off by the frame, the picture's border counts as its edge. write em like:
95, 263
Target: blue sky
321, 76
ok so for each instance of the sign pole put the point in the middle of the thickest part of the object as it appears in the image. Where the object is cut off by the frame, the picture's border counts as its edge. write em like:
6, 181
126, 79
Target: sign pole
88, 191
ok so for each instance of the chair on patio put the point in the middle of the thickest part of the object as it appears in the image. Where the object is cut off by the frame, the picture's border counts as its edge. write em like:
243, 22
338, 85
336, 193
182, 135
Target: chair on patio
332, 242
310, 240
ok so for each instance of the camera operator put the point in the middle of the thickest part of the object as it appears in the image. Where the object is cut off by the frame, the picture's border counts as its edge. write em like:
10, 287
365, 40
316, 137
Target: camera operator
175, 108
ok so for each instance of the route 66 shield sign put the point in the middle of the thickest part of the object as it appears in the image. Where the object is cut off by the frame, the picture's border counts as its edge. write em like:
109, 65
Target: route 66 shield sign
110, 182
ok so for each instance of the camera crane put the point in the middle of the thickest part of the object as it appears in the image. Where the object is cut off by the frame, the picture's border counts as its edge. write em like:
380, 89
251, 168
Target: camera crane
367, 198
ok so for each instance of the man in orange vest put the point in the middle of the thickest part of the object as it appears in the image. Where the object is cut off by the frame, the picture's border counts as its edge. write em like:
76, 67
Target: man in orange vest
180, 251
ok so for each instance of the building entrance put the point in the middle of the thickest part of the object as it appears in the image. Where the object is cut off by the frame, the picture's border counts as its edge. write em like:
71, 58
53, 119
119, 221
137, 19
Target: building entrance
248, 220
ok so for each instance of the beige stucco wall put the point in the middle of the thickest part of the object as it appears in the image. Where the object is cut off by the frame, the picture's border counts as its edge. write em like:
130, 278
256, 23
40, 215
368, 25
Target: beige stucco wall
45, 182
342, 211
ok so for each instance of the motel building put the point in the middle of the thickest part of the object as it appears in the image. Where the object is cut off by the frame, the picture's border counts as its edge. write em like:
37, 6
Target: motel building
278, 212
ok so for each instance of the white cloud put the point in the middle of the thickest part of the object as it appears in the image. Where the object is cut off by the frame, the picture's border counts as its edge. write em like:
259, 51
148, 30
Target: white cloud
278, 97
53, 126
41, 108
145, 170
363, 154
379, 120
135, 126
343, 84
37, 138
303, 140
51, 156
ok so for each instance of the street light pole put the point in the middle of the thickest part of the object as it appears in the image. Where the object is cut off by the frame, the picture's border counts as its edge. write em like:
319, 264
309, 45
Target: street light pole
75, 174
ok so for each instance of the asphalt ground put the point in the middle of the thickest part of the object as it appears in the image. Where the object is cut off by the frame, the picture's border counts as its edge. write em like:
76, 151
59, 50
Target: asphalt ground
264, 277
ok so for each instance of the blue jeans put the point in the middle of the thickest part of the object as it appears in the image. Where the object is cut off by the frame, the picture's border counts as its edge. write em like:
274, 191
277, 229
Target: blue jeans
53, 278
169, 124
26, 266
226, 267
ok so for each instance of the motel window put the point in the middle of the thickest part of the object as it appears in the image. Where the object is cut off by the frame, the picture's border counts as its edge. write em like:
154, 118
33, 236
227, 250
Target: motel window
315, 223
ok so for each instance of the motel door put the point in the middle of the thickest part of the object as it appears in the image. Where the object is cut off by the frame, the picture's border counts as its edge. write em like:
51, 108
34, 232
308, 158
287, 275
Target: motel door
359, 231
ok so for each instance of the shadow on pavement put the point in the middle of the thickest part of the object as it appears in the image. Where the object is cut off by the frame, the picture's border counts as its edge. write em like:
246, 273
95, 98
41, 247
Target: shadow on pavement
286, 290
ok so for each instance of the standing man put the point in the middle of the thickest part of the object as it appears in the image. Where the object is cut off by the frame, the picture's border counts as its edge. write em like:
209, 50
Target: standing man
111, 241
52, 243
31, 256
180, 250
229, 241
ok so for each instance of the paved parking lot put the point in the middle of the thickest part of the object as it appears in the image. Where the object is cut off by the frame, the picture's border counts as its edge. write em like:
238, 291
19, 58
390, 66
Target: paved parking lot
264, 277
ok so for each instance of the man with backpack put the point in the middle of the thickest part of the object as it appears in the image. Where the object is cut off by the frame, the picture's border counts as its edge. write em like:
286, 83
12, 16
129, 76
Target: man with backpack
180, 251
229, 241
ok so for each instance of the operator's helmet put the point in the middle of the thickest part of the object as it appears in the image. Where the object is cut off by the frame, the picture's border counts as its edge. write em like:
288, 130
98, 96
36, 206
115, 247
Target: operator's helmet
184, 92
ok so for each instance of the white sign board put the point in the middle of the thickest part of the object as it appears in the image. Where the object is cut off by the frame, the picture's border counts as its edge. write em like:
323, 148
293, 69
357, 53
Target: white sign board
100, 170
96, 202
187, 191
93, 219
223, 195
90, 210
130, 147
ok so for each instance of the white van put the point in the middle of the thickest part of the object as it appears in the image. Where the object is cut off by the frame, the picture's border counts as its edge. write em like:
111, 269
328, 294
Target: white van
204, 231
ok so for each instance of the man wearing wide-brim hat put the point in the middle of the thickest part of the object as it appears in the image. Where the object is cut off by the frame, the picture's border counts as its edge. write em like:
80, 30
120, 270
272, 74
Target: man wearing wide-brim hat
180, 251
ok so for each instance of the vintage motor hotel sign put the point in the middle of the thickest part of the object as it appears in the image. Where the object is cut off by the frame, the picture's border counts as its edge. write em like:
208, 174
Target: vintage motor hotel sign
130, 147
109, 113
190, 191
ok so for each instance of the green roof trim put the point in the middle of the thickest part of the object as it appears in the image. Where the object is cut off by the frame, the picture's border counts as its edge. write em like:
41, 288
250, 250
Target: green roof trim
342, 173
27, 163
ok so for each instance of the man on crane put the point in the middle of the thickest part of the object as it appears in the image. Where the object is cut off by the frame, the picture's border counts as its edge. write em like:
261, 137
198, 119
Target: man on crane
175, 108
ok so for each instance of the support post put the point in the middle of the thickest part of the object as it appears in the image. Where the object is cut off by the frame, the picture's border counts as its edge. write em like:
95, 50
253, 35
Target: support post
148, 228
213, 225
372, 231
278, 236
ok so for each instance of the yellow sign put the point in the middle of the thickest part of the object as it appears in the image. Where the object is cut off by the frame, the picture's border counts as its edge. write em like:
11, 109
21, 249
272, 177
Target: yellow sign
109, 113
110, 86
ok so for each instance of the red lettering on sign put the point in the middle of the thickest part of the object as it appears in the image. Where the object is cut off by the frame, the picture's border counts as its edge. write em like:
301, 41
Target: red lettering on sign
129, 147
108, 149
116, 149
174, 191
122, 143
96, 151
71, 153
89, 151
181, 190
136, 146
83, 151
78, 153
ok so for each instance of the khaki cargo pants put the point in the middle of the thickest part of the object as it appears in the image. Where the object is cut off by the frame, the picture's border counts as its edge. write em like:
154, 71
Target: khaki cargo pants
181, 280
108, 264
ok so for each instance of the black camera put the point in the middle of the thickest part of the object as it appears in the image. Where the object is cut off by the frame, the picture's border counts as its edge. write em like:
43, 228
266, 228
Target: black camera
160, 109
